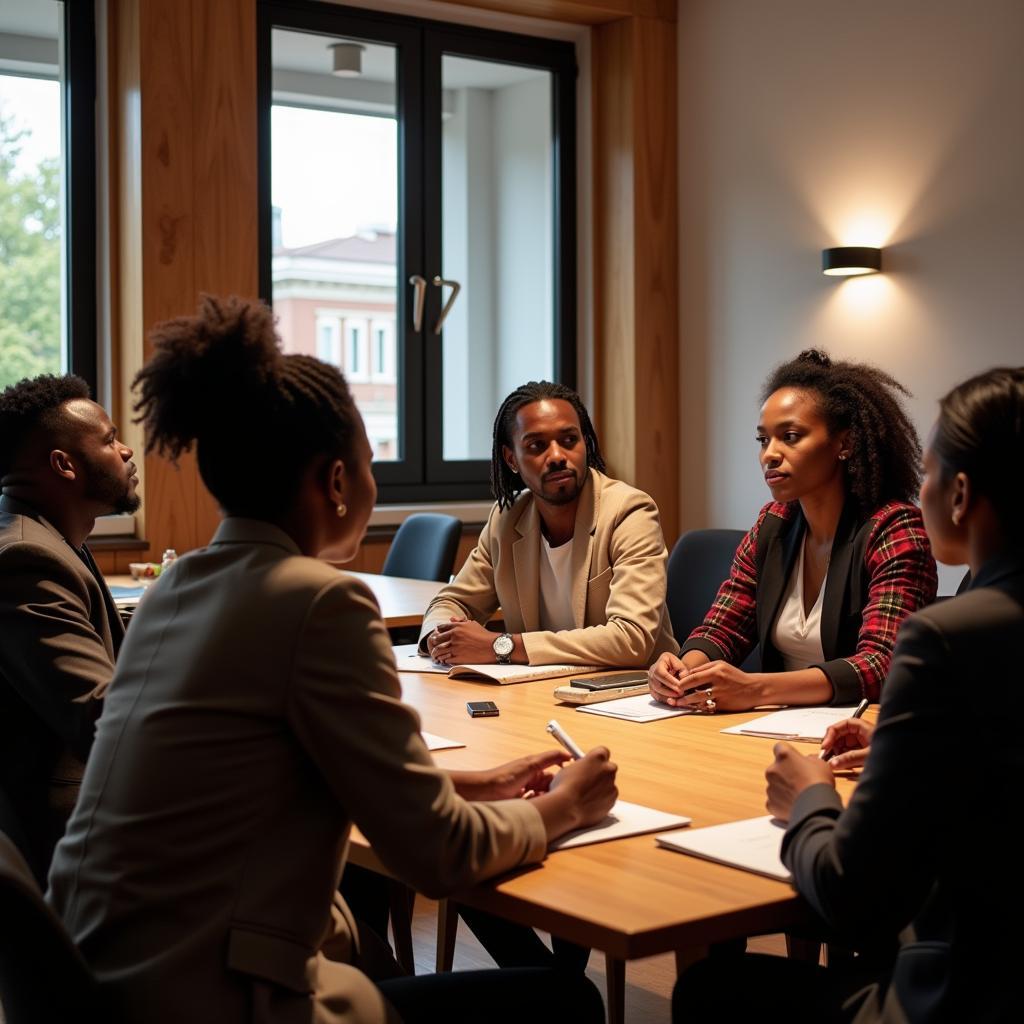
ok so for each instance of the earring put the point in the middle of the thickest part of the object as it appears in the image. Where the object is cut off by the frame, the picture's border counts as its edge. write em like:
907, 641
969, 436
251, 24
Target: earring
842, 456
342, 509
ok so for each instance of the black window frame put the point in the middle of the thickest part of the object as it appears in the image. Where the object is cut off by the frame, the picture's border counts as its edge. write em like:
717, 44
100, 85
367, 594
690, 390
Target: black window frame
422, 475
76, 73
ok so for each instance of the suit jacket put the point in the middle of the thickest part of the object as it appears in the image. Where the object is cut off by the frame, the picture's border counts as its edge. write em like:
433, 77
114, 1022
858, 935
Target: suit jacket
61, 634
618, 571
255, 714
925, 841
881, 569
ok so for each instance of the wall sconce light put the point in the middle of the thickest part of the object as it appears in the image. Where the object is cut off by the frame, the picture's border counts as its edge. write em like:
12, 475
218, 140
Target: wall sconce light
851, 260
348, 59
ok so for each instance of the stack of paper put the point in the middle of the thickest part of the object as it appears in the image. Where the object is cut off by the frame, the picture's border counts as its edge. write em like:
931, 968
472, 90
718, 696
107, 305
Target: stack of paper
624, 819
806, 725
752, 844
641, 708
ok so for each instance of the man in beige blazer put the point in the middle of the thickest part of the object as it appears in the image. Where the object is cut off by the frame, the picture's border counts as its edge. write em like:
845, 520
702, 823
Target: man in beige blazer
574, 559
61, 465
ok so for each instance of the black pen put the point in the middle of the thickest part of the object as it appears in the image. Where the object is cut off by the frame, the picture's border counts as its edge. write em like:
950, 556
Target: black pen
857, 713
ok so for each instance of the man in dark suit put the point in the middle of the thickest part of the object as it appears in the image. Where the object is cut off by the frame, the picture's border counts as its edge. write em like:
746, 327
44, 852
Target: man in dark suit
61, 465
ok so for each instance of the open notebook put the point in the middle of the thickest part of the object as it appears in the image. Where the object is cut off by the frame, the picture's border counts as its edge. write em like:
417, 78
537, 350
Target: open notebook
501, 674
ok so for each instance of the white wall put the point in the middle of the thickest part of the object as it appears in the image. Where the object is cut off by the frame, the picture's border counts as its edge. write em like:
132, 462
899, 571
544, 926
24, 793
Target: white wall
811, 123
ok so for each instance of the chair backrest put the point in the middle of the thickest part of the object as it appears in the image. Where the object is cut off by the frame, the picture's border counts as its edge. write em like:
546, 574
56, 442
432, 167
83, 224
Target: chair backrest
42, 975
697, 567
424, 547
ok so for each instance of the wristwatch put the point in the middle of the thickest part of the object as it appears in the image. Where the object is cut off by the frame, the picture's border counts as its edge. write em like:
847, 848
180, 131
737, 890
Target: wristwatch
503, 648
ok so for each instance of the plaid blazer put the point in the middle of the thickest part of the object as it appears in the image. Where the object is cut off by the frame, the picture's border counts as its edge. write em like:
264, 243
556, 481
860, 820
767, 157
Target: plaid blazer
880, 571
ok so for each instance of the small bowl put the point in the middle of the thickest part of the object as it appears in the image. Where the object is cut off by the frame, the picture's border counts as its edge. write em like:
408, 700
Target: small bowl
144, 570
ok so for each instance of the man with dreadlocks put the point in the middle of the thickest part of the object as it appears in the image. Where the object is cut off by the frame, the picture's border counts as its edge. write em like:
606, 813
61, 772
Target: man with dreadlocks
574, 559
61, 465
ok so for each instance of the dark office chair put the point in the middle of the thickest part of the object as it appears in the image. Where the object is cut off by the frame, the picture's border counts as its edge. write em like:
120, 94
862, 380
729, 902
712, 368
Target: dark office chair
424, 548
42, 975
698, 565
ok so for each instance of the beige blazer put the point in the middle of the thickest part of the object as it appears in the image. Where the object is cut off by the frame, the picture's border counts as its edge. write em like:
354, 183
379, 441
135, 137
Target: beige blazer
618, 570
254, 715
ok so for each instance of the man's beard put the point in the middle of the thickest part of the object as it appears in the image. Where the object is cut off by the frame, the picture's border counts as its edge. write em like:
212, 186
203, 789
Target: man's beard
566, 497
114, 492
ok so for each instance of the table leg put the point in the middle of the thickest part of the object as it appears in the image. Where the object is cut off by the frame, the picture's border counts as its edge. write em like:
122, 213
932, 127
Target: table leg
447, 930
615, 973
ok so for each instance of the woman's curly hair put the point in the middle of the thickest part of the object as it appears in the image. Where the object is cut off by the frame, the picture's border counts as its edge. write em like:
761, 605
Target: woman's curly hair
885, 453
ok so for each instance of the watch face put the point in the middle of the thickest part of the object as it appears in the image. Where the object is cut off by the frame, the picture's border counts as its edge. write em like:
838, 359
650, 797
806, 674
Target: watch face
503, 646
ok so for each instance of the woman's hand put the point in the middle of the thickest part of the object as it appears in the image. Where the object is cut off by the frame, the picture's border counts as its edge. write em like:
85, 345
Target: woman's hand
511, 780
848, 742
727, 687
789, 775
664, 678
461, 642
581, 794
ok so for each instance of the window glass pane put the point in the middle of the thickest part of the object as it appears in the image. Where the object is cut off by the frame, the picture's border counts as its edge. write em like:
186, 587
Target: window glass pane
334, 190
497, 242
32, 292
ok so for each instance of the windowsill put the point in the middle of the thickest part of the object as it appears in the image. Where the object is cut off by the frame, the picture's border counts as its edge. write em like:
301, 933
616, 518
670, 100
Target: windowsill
470, 512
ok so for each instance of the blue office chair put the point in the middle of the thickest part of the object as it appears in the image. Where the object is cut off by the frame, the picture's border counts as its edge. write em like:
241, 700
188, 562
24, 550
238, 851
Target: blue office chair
698, 565
42, 975
424, 548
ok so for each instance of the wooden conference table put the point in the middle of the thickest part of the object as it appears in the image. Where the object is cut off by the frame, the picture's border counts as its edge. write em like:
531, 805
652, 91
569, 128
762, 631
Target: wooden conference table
402, 601
627, 898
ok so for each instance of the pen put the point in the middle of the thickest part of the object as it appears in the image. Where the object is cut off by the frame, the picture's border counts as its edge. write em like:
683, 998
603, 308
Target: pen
858, 713
563, 737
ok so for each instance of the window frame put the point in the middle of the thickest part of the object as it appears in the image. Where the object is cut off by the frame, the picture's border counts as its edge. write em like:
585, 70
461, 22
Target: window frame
421, 475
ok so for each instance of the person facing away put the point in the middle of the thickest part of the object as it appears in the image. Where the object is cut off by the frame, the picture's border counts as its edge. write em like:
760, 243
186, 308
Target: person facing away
923, 849
61, 466
835, 562
574, 558
256, 714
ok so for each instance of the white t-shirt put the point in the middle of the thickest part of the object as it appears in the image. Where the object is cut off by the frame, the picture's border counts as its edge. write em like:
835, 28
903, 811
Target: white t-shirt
797, 636
556, 586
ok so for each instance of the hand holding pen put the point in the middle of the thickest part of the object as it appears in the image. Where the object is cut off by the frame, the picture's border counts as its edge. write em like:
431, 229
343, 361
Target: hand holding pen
846, 743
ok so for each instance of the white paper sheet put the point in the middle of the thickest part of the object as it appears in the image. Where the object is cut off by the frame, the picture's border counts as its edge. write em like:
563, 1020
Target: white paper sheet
624, 819
640, 708
435, 742
752, 844
808, 724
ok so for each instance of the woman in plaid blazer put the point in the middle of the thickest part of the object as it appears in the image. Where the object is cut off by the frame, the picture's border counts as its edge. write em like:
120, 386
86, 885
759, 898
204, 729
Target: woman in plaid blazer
834, 563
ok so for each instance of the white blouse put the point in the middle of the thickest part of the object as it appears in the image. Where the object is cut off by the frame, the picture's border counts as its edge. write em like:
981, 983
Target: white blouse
796, 635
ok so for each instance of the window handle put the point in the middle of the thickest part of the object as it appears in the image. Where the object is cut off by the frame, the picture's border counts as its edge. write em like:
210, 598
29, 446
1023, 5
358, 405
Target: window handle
419, 298
440, 282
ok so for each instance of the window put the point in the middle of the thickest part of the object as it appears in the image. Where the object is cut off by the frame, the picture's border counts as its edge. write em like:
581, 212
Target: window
420, 176
328, 339
47, 189
383, 351
355, 358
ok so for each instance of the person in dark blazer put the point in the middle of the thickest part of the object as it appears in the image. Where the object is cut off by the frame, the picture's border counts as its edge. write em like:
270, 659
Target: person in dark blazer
61, 465
924, 847
255, 714
835, 562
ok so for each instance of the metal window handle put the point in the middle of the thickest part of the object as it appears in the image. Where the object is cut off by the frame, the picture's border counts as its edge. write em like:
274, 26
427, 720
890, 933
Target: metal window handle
418, 300
440, 282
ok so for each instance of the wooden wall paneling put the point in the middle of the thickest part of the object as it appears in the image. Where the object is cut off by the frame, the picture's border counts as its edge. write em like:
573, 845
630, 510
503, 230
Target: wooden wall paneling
168, 257
656, 261
225, 163
635, 256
